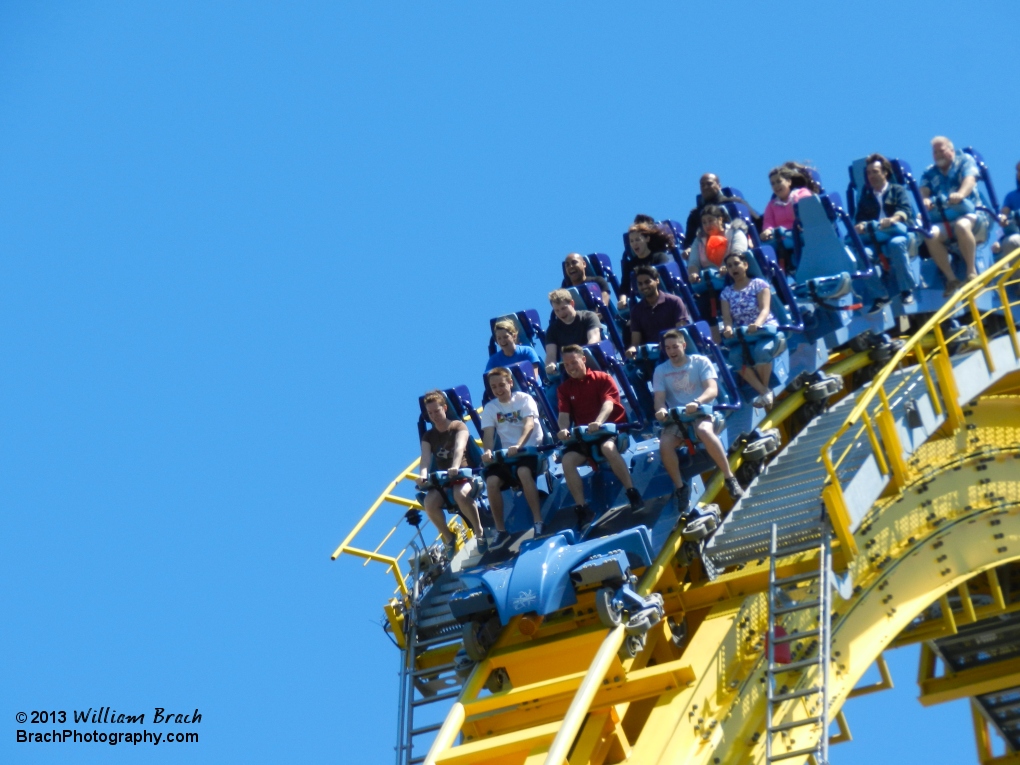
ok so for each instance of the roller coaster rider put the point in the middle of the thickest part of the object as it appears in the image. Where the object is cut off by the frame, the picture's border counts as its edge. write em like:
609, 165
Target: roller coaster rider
716, 238
649, 245
444, 448
887, 203
568, 327
746, 304
1009, 216
575, 273
711, 194
688, 384
789, 185
505, 334
952, 181
589, 399
655, 313
513, 416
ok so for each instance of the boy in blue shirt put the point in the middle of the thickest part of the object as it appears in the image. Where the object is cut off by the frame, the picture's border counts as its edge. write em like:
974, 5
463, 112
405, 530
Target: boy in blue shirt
505, 332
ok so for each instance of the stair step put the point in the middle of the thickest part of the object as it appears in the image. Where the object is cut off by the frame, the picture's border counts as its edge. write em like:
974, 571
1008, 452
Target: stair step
780, 698
794, 724
793, 666
796, 636
801, 606
785, 755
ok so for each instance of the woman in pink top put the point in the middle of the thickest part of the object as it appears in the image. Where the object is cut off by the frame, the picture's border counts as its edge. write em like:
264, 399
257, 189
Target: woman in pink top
788, 186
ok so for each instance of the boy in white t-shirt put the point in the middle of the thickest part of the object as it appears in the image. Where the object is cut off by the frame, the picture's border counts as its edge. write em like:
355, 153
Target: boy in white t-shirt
513, 416
687, 382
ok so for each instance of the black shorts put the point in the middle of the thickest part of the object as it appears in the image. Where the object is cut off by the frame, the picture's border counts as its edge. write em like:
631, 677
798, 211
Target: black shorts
507, 471
590, 450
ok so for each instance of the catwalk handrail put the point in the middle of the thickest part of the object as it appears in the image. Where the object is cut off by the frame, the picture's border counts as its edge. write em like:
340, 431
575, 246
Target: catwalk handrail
878, 424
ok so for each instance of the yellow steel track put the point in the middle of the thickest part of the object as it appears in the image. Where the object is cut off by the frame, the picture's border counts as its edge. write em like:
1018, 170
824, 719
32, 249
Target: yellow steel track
949, 515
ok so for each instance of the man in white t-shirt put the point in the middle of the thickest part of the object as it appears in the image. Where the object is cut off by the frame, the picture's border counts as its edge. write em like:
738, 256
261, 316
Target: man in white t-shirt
687, 382
513, 416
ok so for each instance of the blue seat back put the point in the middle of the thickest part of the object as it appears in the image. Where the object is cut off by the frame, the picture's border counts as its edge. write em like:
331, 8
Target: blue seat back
588, 297
599, 264
739, 210
607, 359
905, 177
820, 250
988, 196
783, 305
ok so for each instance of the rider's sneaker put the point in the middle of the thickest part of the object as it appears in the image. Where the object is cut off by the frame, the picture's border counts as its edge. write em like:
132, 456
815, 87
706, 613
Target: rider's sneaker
585, 515
500, 539
482, 544
539, 529
634, 497
683, 499
450, 547
733, 487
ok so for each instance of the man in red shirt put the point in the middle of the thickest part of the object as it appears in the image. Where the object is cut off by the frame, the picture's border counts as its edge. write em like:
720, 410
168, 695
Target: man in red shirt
590, 398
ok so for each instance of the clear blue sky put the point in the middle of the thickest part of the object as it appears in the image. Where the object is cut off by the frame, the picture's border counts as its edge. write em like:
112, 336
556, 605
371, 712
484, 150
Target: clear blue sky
238, 239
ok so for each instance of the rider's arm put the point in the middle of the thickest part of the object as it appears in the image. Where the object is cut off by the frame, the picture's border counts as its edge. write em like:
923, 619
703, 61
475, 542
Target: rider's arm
727, 317
488, 438
659, 401
595, 332
967, 186
707, 396
764, 297
426, 460
459, 443
529, 425
563, 420
605, 411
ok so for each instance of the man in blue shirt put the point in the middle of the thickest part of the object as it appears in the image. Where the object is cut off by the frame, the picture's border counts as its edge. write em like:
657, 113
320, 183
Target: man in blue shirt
1010, 231
954, 178
505, 332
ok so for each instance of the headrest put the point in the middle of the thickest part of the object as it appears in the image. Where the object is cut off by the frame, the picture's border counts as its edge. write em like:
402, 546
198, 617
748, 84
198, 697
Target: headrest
521, 330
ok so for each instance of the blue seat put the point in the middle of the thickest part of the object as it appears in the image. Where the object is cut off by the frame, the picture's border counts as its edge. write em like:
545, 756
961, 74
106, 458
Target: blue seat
986, 190
588, 297
819, 245
529, 330
738, 210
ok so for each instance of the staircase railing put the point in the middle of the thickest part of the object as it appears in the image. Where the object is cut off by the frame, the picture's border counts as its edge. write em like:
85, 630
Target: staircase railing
873, 417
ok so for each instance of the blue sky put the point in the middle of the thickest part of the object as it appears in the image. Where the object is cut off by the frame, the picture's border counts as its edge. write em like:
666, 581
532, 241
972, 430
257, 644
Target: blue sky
238, 239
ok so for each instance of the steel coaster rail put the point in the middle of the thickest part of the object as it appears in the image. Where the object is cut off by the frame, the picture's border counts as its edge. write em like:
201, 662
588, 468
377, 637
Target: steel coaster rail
871, 415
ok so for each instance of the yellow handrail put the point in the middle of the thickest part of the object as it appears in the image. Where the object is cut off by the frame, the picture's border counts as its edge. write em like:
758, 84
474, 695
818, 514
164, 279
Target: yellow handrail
393, 563
966, 297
